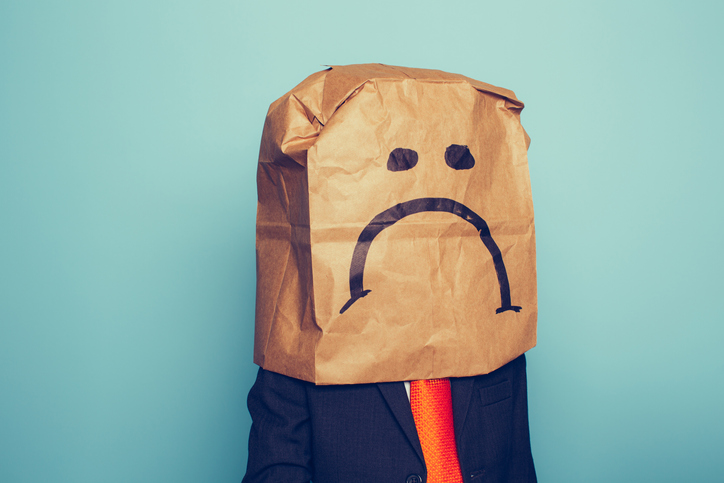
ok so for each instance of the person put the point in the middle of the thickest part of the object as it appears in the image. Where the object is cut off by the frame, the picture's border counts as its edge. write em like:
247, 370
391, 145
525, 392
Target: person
404, 165
304, 432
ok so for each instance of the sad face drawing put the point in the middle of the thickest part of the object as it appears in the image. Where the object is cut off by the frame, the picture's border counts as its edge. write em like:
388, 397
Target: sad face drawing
457, 157
399, 242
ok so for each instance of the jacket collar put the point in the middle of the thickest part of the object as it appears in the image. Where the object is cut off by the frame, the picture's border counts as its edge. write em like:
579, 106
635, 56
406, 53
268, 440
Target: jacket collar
462, 390
396, 397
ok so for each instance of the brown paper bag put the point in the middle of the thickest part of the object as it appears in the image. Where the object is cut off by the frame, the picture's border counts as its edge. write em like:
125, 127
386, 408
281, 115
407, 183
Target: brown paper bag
395, 235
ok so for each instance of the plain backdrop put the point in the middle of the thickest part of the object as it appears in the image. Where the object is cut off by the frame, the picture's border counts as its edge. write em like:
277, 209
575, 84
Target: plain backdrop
129, 134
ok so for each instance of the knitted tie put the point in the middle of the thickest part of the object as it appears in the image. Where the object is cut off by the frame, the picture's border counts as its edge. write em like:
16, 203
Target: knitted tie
432, 409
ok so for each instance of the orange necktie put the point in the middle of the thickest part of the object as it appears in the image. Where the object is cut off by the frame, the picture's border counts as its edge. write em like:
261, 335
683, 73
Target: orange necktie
432, 409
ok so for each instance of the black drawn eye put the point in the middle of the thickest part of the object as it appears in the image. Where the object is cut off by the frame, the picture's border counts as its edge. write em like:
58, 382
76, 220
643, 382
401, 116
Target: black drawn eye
401, 159
459, 157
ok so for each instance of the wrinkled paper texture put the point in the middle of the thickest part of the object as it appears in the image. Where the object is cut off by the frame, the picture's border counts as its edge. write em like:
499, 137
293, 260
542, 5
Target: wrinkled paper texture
367, 274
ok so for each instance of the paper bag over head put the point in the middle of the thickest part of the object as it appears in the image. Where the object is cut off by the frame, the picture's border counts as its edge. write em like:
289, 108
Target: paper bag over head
395, 234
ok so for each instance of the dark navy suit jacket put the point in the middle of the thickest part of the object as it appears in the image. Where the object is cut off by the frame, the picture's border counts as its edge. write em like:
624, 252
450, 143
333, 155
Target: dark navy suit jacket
366, 433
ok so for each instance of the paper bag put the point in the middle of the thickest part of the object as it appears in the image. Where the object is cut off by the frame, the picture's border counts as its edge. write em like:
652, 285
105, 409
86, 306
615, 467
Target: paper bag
395, 235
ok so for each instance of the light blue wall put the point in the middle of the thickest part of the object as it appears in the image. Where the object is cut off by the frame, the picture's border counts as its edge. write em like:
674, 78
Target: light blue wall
128, 140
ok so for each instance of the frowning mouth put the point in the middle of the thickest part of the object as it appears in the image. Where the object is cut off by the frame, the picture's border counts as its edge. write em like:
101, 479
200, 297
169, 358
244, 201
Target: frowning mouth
392, 215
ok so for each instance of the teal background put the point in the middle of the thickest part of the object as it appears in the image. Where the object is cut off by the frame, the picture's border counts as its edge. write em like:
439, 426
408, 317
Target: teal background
129, 133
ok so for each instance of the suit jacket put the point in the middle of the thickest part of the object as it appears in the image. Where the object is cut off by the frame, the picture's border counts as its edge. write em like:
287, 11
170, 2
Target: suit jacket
302, 432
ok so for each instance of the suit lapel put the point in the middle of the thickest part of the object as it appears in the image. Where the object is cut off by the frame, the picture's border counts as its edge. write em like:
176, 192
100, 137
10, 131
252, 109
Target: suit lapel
396, 397
462, 391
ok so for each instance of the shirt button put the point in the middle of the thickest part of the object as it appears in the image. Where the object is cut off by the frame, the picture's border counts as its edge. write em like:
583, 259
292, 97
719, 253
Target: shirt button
414, 479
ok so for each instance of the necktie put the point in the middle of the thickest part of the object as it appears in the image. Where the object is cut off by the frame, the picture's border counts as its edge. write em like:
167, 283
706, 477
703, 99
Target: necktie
432, 410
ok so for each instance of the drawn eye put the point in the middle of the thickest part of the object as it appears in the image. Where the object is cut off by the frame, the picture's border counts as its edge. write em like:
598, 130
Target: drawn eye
459, 157
401, 159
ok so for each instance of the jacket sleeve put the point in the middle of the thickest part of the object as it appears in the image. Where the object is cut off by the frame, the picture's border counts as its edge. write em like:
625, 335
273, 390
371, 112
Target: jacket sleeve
521, 468
280, 436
